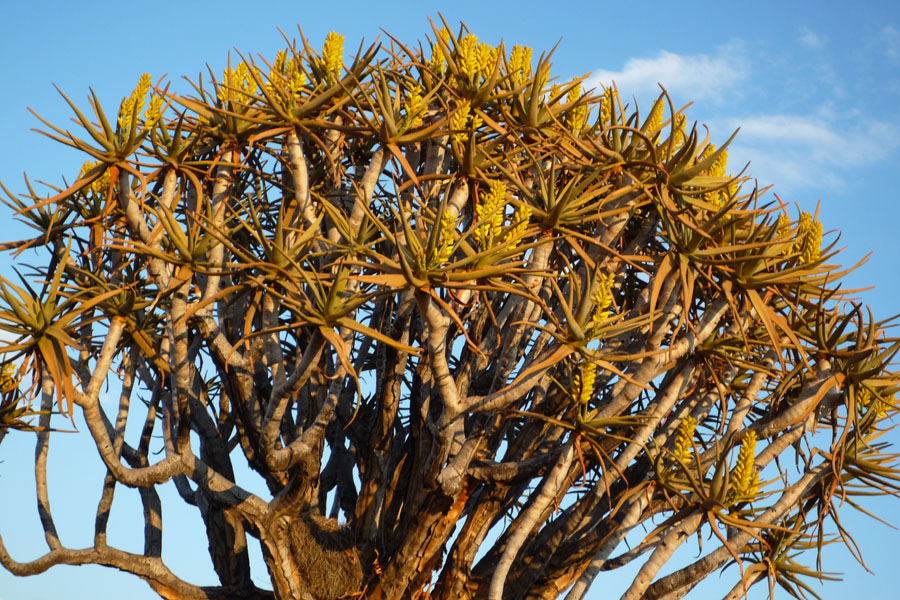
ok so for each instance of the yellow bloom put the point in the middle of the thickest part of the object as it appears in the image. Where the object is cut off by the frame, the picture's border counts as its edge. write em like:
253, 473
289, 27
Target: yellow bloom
811, 246
719, 166
8, 379
333, 53
468, 57
717, 169
489, 212
577, 118
603, 298
414, 106
459, 121
280, 61
583, 383
783, 225
607, 104
133, 104
487, 58
655, 118
684, 447
745, 479
519, 226
152, 114
99, 186
520, 64
438, 62
448, 228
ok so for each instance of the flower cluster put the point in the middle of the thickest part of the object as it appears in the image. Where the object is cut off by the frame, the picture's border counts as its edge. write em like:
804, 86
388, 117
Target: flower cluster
100, 186
684, 446
415, 106
475, 60
577, 118
489, 212
288, 74
333, 53
603, 298
744, 478
447, 240
655, 119
868, 401
438, 62
132, 105
807, 239
519, 225
810, 236
459, 121
607, 104
238, 84
583, 383
520, 64
8, 379
719, 168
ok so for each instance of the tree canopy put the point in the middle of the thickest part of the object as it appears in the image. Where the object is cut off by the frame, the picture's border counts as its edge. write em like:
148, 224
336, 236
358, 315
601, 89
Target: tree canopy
483, 333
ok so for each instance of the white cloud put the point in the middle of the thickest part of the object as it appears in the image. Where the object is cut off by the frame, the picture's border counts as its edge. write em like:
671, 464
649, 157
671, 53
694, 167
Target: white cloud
791, 129
810, 39
699, 75
797, 151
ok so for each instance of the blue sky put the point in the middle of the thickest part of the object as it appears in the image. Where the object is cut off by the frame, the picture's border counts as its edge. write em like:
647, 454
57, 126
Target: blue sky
814, 87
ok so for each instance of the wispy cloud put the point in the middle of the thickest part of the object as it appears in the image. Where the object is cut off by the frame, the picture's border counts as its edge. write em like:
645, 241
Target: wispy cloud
700, 76
797, 151
810, 38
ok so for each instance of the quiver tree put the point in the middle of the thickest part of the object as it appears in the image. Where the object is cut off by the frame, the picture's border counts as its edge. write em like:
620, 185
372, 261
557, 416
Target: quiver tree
472, 326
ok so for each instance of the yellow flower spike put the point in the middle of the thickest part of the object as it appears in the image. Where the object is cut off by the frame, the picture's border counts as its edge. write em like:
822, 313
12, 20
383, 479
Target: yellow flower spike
583, 383
414, 106
745, 479
448, 228
607, 103
863, 398
883, 406
577, 118
477, 122
655, 118
152, 114
684, 448
99, 186
133, 103
811, 247
783, 225
333, 53
297, 80
8, 379
603, 298
459, 121
520, 64
554, 90
224, 93
280, 62
87, 166
490, 213
719, 166
487, 58
468, 57
438, 62
519, 226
